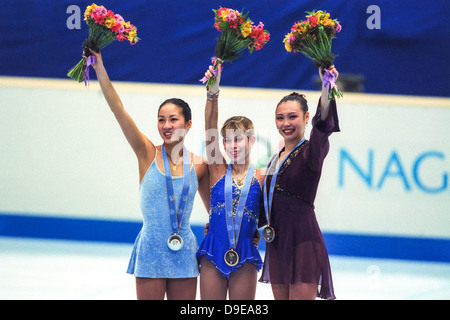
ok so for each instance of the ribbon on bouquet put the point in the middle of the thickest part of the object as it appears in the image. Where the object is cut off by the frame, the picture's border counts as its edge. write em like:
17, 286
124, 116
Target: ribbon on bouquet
329, 82
89, 61
214, 72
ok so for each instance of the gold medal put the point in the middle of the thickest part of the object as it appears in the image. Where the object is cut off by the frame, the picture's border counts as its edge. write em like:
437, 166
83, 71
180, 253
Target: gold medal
231, 258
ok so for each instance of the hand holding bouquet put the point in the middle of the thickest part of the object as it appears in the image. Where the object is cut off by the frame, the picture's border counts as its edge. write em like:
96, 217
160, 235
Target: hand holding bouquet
238, 33
104, 28
312, 37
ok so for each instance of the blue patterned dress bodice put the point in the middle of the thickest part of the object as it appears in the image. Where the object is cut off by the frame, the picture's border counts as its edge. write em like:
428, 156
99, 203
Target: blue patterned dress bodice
216, 242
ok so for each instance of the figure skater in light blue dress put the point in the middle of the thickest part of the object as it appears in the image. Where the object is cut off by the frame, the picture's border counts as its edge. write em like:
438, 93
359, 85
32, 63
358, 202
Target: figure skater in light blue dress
228, 257
163, 258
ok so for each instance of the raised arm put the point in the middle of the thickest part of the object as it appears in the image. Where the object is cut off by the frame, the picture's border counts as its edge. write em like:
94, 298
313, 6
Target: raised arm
324, 102
212, 105
216, 161
141, 145
324, 123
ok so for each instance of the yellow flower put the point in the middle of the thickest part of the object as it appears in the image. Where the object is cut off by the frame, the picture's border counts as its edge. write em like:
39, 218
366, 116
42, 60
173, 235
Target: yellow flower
132, 34
110, 22
302, 30
224, 13
91, 7
328, 22
126, 25
88, 11
287, 46
246, 29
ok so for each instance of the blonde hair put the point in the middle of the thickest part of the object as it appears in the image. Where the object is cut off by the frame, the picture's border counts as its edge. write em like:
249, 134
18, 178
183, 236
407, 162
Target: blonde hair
238, 123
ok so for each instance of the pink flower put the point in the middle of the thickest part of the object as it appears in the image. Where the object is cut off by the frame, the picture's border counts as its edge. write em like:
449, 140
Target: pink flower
338, 27
99, 12
231, 17
99, 15
121, 37
118, 17
291, 38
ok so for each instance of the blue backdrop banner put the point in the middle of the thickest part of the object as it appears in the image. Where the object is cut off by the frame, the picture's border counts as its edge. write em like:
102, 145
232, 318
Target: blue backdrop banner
399, 47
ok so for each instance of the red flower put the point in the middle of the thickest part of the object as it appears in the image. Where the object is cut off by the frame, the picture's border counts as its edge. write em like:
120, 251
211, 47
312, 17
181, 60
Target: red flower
109, 14
219, 12
313, 20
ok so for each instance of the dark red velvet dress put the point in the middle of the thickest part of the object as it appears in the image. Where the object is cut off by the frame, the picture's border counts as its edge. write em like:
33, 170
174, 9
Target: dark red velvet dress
298, 253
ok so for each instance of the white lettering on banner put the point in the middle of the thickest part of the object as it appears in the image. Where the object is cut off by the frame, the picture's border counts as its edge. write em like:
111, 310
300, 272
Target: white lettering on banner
74, 20
374, 21
395, 168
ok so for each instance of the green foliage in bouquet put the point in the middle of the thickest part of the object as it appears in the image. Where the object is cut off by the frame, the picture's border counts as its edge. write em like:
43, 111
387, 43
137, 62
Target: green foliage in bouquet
312, 38
104, 28
237, 34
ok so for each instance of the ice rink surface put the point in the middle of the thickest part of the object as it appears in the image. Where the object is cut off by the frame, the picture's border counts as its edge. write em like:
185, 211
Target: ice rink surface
70, 270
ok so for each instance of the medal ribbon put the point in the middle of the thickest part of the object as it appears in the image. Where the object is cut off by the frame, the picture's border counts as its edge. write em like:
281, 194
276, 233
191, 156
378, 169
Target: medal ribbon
268, 202
234, 225
176, 216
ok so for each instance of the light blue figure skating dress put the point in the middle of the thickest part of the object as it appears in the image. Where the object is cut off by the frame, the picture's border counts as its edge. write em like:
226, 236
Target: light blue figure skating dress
151, 257
216, 244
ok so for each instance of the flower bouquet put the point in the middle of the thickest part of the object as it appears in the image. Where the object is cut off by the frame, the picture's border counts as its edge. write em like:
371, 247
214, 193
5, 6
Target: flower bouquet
238, 33
104, 28
312, 37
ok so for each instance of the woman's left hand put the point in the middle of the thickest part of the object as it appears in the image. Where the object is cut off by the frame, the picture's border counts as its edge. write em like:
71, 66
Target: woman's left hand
214, 89
331, 69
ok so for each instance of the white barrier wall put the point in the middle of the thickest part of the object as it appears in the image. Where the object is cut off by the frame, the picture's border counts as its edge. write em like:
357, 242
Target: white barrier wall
63, 154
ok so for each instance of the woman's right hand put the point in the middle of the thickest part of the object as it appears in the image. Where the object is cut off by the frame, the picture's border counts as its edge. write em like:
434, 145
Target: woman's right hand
206, 228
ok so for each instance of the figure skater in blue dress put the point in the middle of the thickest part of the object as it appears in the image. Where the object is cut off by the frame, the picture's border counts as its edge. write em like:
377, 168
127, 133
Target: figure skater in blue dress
163, 258
228, 257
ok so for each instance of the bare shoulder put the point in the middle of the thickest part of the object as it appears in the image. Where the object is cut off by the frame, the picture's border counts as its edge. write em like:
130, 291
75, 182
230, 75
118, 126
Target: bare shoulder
199, 163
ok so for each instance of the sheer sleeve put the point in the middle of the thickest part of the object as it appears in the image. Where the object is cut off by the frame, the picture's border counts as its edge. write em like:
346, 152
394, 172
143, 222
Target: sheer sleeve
322, 129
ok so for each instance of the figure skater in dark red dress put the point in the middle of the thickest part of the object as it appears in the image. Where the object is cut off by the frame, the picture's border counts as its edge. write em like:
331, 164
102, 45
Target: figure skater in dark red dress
296, 262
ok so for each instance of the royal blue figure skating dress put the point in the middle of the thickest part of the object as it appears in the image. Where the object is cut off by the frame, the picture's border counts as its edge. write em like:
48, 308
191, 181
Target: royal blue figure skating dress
216, 243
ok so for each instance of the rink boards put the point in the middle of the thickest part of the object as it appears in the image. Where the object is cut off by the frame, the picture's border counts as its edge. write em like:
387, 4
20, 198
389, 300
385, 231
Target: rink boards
67, 171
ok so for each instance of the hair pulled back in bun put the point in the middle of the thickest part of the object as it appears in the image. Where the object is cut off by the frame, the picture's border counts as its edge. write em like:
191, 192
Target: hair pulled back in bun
295, 96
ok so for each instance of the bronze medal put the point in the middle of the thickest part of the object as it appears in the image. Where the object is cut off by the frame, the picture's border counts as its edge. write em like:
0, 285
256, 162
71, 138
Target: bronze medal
268, 234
